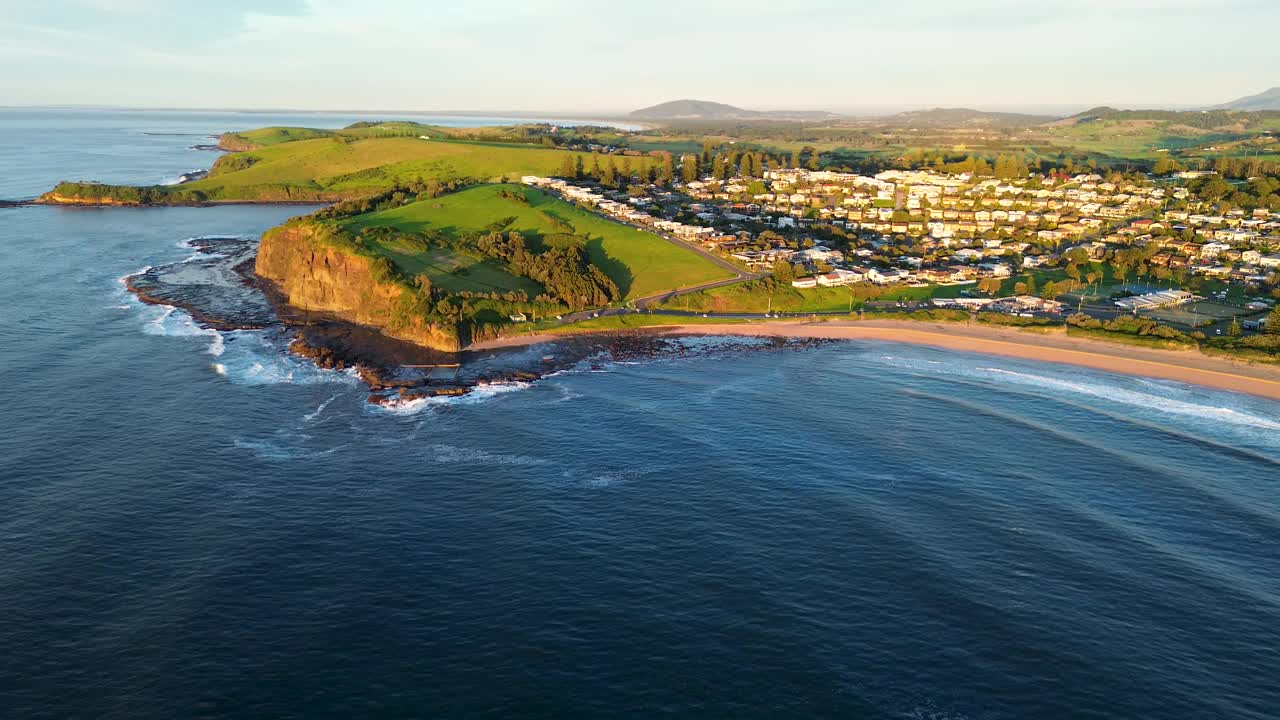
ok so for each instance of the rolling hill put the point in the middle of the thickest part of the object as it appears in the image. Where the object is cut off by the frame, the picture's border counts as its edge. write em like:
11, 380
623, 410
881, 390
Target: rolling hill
1266, 100
707, 110
965, 117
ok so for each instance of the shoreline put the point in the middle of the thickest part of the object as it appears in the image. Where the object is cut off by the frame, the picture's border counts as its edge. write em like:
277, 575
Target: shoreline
1187, 366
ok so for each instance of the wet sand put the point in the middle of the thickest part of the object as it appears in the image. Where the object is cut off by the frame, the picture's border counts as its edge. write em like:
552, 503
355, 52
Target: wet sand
1053, 345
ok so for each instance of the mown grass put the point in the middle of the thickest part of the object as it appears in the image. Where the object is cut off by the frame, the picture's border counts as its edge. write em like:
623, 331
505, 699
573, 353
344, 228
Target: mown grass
456, 271
633, 321
640, 262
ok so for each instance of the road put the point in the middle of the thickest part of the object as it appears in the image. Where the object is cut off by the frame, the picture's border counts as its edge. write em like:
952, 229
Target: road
739, 275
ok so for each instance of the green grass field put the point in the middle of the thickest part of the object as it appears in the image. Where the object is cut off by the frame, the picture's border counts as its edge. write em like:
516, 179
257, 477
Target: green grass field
1199, 313
275, 135
337, 166
641, 263
631, 321
455, 271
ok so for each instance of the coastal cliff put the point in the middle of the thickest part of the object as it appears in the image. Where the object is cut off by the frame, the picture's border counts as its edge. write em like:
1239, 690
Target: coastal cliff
314, 271
233, 142
198, 192
90, 193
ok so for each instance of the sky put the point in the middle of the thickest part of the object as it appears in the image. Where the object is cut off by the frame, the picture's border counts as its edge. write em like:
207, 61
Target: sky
606, 56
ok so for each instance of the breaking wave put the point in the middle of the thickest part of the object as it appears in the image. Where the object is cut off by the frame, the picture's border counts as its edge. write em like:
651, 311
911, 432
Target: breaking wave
479, 394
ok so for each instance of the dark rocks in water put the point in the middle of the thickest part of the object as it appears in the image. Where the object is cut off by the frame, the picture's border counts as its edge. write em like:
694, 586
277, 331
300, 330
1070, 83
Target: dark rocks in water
192, 176
384, 379
408, 395
214, 147
214, 286
322, 357
218, 287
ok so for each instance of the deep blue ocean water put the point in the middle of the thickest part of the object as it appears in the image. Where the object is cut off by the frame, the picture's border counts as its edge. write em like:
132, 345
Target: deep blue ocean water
193, 524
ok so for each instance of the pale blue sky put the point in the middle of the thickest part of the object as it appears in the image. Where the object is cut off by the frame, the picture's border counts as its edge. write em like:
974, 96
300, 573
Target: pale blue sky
571, 55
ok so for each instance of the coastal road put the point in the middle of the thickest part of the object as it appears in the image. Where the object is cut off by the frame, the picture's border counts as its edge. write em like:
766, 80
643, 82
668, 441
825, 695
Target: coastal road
739, 275
643, 303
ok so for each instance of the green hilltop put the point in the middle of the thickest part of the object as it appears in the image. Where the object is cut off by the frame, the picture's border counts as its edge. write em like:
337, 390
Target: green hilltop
290, 164
637, 261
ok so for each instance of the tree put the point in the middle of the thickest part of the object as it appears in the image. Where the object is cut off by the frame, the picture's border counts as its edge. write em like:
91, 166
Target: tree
1273, 322
577, 167
784, 273
813, 159
668, 173
688, 168
567, 168
1234, 330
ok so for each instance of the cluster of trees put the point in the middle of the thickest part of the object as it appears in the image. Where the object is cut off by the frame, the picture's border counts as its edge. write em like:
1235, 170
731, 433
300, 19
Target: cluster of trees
1230, 167
395, 196
1132, 325
617, 175
232, 163
1261, 191
990, 285
565, 271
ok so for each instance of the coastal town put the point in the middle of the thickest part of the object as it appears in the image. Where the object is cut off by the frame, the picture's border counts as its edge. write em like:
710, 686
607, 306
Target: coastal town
1114, 244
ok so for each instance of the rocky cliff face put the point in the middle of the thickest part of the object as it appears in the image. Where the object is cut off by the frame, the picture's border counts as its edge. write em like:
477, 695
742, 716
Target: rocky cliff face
53, 197
321, 276
232, 142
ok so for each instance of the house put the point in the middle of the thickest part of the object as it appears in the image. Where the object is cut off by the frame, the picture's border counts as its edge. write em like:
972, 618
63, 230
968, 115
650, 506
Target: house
819, 253
839, 277
805, 282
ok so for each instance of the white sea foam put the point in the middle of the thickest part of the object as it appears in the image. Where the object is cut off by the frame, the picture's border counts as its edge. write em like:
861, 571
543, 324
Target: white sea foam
598, 479
272, 450
124, 279
453, 455
1119, 394
259, 357
311, 416
479, 394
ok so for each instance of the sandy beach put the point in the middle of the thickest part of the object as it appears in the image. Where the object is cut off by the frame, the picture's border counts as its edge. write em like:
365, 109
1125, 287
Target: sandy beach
1188, 366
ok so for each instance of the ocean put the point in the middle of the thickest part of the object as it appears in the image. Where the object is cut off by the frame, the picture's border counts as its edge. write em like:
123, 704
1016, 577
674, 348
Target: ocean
194, 524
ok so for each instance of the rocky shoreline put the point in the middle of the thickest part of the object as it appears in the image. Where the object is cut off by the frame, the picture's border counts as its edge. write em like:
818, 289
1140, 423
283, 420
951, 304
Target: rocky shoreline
218, 288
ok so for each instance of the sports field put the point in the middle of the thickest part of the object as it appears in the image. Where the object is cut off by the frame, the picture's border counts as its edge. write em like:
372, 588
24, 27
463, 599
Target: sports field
1197, 313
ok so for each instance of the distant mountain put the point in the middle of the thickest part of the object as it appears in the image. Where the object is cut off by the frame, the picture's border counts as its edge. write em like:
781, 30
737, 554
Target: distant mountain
707, 110
686, 109
1097, 112
958, 117
1268, 100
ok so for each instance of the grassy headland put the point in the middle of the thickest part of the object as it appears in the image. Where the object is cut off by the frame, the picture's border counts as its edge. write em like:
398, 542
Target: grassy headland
281, 164
639, 262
